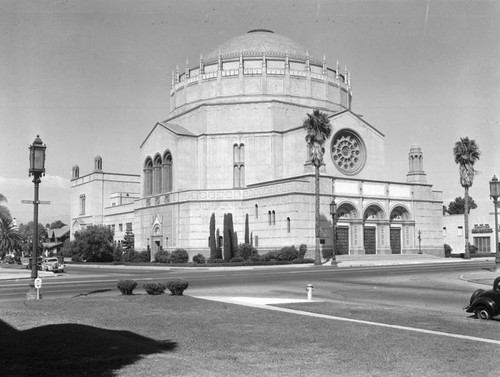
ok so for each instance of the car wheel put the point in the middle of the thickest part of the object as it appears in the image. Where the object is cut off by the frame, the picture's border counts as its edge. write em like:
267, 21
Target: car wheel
482, 312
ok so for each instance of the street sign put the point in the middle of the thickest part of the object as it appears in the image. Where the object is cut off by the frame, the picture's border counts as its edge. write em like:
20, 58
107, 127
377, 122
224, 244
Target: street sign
33, 202
38, 283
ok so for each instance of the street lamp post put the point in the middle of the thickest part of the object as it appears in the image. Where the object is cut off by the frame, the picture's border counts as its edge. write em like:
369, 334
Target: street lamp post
333, 212
419, 242
495, 193
37, 169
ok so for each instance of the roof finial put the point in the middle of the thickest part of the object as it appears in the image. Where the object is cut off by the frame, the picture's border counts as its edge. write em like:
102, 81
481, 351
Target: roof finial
201, 64
324, 64
307, 61
337, 71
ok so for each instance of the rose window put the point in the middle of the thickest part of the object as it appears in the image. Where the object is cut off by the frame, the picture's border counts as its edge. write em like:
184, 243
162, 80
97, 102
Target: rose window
348, 152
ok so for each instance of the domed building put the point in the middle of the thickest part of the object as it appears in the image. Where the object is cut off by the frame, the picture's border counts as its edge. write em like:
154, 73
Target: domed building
234, 143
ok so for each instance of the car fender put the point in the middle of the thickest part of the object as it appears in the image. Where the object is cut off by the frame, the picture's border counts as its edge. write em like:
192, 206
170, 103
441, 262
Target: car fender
486, 301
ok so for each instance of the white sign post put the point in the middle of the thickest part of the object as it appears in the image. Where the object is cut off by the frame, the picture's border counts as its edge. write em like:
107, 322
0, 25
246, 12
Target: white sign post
38, 285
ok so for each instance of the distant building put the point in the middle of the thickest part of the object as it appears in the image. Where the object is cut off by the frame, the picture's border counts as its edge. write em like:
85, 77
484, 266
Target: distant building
481, 231
55, 240
234, 143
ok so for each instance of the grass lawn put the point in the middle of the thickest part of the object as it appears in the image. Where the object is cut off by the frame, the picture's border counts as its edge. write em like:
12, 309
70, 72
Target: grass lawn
140, 335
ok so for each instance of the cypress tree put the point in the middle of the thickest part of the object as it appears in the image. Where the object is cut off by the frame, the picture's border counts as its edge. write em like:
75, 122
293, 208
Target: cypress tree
213, 241
227, 238
219, 246
247, 230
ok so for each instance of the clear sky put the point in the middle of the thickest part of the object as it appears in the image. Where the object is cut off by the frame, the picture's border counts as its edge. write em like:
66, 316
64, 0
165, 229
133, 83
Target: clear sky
93, 77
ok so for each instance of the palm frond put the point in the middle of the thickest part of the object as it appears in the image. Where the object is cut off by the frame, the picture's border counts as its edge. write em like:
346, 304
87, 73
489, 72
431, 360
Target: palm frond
318, 127
466, 153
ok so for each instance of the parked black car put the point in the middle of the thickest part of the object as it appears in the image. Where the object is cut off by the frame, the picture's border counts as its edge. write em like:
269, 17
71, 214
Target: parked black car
485, 304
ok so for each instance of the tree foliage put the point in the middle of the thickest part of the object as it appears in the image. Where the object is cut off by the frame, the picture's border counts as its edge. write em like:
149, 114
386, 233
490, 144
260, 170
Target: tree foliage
27, 231
212, 240
457, 206
247, 230
230, 242
93, 244
466, 153
58, 224
10, 239
318, 130
4, 211
128, 242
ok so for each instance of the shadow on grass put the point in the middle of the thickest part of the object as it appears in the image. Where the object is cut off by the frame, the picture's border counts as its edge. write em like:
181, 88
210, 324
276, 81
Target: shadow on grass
93, 292
72, 350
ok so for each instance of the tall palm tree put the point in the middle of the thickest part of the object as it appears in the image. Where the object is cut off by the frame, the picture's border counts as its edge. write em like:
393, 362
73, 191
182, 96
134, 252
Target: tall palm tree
10, 239
466, 153
318, 130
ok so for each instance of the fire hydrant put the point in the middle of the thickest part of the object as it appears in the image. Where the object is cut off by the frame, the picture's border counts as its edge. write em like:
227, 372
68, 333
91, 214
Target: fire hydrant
309, 290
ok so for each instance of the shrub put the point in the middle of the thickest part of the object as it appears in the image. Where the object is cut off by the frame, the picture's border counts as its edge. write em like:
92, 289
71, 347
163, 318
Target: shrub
199, 258
288, 253
307, 260
162, 256
447, 250
136, 257
245, 251
154, 288
270, 255
236, 259
179, 256
215, 260
255, 258
302, 250
472, 249
126, 287
118, 255
177, 286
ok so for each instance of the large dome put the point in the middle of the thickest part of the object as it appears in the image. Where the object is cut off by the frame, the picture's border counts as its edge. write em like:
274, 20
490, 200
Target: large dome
258, 41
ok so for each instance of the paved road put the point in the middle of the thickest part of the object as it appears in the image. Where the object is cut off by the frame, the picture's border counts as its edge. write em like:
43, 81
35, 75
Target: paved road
289, 281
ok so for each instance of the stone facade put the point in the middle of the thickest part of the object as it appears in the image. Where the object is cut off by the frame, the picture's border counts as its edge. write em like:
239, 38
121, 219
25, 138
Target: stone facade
234, 143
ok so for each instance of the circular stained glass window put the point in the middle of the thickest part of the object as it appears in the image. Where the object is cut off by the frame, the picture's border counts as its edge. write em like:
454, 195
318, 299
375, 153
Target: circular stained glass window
348, 152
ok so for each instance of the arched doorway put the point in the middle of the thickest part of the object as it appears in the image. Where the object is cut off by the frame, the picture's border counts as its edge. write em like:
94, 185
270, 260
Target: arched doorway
346, 213
398, 221
372, 219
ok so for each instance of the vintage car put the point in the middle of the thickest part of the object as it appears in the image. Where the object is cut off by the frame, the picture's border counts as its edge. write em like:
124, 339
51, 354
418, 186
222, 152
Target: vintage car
52, 264
485, 304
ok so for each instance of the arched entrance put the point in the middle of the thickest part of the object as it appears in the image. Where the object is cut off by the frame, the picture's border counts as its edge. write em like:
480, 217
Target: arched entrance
372, 228
346, 213
399, 220
156, 237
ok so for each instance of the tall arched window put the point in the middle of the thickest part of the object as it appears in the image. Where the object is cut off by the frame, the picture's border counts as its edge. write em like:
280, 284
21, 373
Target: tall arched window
167, 172
274, 217
148, 176
269, 218
256, 211
238, 165
288, 227
157, 181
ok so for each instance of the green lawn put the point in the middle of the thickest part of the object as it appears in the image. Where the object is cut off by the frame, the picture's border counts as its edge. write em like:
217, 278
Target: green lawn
107, 334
